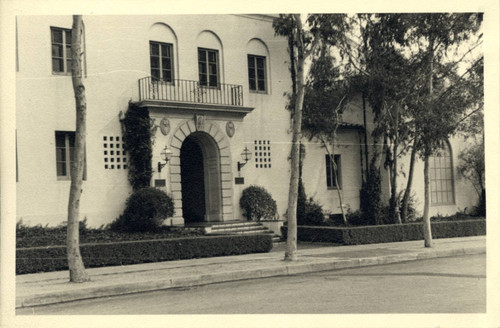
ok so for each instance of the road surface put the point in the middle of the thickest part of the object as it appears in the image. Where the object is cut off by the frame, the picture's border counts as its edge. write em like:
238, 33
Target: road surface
443, 285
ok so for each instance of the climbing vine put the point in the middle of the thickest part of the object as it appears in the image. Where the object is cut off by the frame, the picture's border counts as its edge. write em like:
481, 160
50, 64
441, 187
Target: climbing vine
137, 138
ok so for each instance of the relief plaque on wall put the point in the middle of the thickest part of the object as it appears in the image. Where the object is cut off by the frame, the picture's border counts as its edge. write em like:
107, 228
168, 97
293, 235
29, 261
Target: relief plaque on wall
200, 122
230, 129
165, 126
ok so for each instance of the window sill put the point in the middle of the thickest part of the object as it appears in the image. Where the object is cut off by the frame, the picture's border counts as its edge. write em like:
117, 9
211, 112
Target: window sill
61, 73
209, 87
259, 92
333, 188
443, 204
66, 179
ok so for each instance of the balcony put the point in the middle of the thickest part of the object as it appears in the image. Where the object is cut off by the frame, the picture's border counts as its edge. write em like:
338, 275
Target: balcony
185, 91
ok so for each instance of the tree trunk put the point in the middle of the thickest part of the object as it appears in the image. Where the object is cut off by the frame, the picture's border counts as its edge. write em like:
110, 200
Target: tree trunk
406, 197
291, 242
77, 271
427, 202
394, 184
366, 138
335, 168
427, 220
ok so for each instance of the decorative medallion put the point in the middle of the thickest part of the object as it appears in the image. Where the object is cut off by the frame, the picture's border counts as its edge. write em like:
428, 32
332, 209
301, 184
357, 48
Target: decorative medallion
200, 122
165, 126
230, 129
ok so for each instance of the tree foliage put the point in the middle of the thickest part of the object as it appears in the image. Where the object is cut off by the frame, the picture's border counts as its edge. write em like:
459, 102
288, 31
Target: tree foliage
472, 166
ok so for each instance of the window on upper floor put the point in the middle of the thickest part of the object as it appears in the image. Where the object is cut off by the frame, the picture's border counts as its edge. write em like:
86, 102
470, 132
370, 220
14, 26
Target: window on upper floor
257, 73
65, 154
441, 176
208, 67
61, 49
162, 61
333, 171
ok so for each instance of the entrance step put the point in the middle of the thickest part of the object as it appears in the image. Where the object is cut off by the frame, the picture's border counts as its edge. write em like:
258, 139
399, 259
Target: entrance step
239, 227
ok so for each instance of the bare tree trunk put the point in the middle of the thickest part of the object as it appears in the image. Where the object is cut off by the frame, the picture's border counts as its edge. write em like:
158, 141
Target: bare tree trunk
335, 168
77, 271
427, 201
406, 197
341, 202
394, 190
366, 137
427, 220
291, 242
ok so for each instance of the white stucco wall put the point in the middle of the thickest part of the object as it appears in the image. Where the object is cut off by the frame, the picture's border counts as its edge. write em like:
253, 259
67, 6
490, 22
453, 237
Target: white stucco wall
116, 57
314, 172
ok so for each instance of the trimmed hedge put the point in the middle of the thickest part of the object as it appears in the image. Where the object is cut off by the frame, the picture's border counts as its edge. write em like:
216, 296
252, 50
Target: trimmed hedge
388, 233
53, 258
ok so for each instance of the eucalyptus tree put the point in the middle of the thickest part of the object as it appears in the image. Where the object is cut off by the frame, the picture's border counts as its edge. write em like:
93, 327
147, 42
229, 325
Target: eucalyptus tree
389, 87
302, 46
326, 97
433, 39
75, 263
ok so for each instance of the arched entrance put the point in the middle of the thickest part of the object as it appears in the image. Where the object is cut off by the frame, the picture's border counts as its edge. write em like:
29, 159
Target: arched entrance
200, 178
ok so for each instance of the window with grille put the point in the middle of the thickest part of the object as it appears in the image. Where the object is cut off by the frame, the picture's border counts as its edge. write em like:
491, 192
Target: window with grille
331, 173
262, 152
65, 154
115, 157
441, 177
257, 73
208, 67
162, 63
61, 49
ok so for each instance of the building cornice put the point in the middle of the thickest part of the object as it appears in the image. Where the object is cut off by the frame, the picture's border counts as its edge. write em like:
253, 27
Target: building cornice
182, 108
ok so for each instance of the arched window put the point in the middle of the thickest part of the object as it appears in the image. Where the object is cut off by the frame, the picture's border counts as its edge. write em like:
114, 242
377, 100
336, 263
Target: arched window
162, 53
210, 59
441, 176
258, 62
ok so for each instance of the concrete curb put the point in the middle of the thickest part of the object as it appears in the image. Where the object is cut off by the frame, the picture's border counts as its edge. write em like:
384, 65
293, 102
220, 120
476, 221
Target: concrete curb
312, 264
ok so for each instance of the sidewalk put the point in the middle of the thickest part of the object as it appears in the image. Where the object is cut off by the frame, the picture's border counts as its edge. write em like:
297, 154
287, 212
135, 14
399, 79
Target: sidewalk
53, 287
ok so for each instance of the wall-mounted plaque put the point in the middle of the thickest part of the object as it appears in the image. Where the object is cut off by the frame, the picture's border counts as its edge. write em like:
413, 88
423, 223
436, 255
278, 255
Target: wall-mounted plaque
230, 129
200, 122
165, 126
239, 180
160, 183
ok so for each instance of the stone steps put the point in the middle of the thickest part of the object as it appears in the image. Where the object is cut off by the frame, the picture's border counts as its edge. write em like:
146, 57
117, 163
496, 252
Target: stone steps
239, 228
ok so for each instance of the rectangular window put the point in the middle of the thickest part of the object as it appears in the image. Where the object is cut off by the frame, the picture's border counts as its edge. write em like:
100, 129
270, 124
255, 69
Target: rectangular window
162, 61
257, 73
331, 182
61, 49
208, 67
65, 154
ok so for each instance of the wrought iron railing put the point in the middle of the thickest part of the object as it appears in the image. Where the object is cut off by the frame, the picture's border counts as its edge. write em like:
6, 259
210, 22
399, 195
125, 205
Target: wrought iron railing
190, 91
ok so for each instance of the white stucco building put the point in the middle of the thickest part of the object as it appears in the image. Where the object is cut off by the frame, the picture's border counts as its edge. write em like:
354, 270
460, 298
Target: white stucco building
214, 85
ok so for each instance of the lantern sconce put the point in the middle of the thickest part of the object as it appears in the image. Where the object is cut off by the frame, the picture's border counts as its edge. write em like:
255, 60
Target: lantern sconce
166, 154
246, 155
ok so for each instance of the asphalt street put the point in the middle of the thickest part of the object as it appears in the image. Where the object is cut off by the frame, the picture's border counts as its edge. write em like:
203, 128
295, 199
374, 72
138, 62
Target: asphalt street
443, 285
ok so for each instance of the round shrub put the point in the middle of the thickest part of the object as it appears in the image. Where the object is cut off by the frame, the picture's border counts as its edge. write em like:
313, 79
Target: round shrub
145, 210
257, 204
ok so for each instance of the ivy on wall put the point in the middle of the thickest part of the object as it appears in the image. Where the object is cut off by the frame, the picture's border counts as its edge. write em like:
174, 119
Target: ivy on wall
137, 138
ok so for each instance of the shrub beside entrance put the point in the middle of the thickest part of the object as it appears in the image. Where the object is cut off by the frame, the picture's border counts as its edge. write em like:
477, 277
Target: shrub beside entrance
257, 203
145, 210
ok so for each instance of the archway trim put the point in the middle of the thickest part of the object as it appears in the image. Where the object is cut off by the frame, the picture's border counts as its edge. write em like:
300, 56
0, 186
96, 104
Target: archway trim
211, 128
